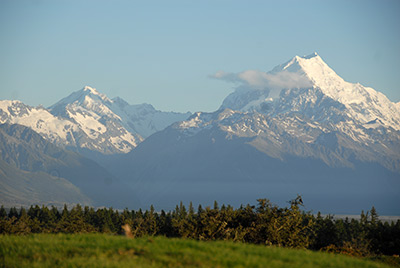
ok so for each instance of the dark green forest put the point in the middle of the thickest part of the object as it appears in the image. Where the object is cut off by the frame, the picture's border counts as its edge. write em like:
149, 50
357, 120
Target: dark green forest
264, 223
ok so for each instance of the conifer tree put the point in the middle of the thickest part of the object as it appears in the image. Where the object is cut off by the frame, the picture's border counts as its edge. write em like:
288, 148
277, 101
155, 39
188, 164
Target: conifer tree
13, 213
374, 216
3, 212
22, 226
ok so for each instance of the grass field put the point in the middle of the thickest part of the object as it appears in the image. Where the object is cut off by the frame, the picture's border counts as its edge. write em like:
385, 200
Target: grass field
99, 250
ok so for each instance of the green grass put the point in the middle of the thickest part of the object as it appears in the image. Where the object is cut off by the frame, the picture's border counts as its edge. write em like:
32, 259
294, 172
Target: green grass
100, 250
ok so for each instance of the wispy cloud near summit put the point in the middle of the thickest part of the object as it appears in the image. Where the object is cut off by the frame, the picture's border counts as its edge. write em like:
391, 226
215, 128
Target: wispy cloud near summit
257, 80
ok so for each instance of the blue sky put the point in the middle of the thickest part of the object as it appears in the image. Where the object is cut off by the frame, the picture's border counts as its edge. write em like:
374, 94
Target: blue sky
163, 52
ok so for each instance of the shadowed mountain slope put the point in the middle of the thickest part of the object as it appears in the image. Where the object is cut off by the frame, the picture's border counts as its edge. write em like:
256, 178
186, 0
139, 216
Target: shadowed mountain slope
22, 148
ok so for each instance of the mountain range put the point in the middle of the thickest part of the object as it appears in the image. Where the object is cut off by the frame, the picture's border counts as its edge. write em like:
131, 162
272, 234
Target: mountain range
334, 142
301, 130
87, 120
43, 150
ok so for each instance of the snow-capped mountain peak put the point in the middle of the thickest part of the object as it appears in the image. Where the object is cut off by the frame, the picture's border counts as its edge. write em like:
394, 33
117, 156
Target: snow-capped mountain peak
94, 93
315, 69
113, 120
91, 90
85, 96
88, 101
90, 110
363, 103
89, 120
325, 92
39, 119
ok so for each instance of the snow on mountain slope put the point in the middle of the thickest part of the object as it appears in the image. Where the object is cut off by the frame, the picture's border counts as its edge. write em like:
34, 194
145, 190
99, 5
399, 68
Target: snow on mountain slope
352, 122
358, 103
104, 131
297, 135
143, 118
76, 128
233, 156
54, 129
115, 120
89, 120
364, 104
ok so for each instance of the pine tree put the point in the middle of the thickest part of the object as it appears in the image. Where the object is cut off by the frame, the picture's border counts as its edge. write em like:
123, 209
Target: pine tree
165, 224
34, 212
3, 213
216, 207
65, 212
191, 210
182, 211
150, 222
13, 213
22, 226
47, 220
199, 209
105, 223
55, 213
374, 216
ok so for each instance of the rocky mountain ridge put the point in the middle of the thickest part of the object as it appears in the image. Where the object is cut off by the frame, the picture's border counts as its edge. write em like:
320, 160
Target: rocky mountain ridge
88, 120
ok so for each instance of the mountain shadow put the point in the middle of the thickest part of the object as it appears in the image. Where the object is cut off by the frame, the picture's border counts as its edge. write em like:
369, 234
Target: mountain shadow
27, 156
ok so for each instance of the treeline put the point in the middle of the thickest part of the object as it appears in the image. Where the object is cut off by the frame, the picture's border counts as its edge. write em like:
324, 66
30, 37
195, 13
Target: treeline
262, 224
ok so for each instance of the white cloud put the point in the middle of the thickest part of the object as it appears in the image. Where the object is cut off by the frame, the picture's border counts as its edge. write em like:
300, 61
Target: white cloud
257, 80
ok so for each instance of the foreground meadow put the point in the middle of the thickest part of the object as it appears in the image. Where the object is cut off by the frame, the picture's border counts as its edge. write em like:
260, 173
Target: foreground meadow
102, 250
